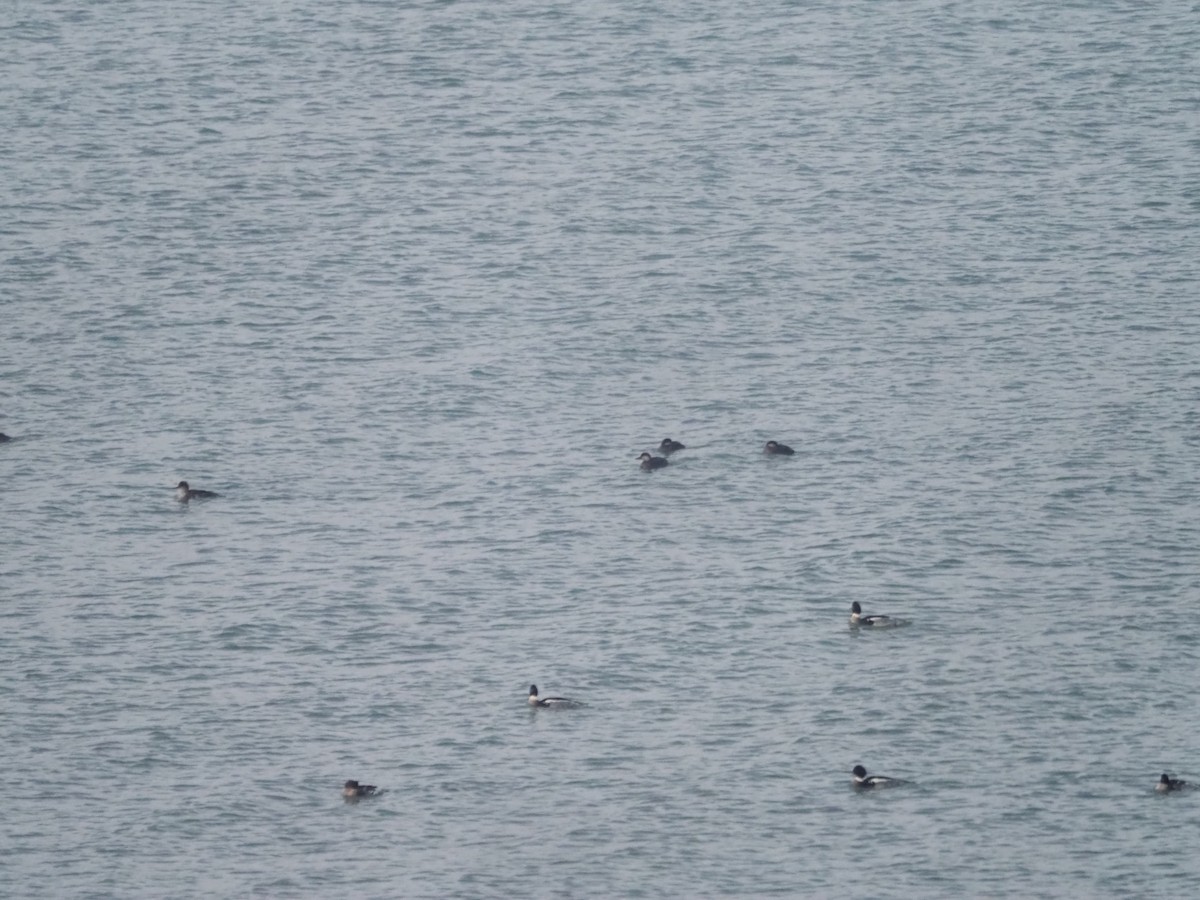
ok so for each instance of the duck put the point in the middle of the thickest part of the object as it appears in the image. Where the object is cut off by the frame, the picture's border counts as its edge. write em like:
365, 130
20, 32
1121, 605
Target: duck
650, 463
774, 448
857, 618
535, 700
863, 781
352, 790
1166, 784
183, 493
668, 446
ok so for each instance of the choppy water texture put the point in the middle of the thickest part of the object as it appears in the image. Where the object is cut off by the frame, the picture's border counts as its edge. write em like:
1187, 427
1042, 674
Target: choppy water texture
411, 286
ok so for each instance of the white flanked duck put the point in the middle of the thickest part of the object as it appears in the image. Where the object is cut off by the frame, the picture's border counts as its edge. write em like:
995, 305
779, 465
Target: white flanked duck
864, 782
857, 618
536, 700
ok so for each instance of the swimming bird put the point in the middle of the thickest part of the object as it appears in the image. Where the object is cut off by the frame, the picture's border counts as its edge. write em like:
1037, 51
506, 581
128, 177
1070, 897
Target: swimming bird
774, 448
668, 446
535, 700
1167, 784
183, 493
650, 463
352, 790
4, 438
863, 781
857, 618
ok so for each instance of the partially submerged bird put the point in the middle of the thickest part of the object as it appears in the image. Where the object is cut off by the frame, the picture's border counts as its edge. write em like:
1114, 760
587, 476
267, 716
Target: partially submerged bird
650, 463
352, 790
774, 448
668, 446
535, 700
183, 493
863, 781
857, 618
1167, 784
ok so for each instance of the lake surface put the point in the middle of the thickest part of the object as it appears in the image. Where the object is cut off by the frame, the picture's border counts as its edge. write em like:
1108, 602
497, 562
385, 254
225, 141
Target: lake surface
411, 286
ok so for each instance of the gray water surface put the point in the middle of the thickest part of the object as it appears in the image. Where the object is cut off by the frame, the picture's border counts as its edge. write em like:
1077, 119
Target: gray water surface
411, 286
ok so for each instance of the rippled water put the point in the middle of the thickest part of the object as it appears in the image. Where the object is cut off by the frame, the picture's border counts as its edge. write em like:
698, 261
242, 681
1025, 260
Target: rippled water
411, 286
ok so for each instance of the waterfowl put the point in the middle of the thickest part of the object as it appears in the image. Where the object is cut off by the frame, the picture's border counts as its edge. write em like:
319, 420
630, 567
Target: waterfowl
650, 463
863, 781
535, 700
183, 493
1167, 784
352, 790
857, 618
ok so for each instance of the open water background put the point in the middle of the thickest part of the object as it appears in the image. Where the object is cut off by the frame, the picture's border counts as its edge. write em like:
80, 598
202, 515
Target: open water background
411, 285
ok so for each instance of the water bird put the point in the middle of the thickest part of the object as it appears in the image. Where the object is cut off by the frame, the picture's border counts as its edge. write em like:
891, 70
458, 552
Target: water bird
857, 618
183, 493
535, 700
352, 790
1166, 784
4, 438
863, 781
650, 463
774, 448
668, 446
